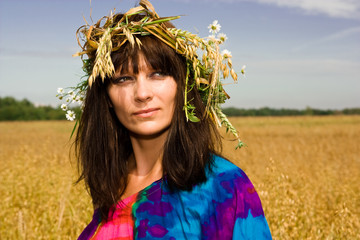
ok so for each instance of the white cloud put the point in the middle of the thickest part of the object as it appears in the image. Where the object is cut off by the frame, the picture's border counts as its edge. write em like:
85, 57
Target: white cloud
342, 34
332, 8
333, 37
315, 67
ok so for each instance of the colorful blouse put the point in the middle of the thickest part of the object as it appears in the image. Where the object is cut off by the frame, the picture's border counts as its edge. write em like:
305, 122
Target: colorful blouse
226, 206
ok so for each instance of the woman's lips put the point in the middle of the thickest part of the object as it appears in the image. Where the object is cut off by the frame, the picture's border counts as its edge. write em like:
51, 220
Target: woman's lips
146, 112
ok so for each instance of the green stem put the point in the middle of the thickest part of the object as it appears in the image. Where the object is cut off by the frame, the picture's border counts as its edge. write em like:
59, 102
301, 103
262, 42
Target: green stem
186, 91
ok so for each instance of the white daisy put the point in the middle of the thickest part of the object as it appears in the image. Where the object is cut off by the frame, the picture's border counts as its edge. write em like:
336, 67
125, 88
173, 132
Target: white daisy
60, 90
211, 39
214, 27
74, 98
243, 70
222, 37
79, 100
64, 107
226, 54
70, 115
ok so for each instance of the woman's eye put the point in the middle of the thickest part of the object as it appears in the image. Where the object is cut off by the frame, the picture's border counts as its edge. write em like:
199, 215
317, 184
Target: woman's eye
158, 75
121, 79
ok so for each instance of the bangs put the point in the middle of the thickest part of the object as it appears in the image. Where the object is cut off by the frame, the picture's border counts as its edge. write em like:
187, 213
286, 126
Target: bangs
156, 54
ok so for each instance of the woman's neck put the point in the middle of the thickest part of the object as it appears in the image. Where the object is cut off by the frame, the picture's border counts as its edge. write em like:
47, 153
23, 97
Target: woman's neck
147, 156
145, 165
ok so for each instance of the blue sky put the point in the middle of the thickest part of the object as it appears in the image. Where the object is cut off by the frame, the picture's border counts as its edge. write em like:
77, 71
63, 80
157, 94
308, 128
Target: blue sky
298, 53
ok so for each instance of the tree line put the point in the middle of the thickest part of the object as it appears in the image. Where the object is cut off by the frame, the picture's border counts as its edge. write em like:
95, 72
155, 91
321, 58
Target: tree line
266, 111
24, 110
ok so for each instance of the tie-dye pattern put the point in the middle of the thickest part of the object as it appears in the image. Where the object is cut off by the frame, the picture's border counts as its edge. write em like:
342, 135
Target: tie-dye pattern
226, 206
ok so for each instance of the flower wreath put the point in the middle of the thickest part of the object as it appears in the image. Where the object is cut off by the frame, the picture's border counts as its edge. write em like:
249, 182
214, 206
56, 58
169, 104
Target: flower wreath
100, 40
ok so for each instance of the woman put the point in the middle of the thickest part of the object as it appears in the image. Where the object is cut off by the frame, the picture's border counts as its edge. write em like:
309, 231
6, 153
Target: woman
147, 143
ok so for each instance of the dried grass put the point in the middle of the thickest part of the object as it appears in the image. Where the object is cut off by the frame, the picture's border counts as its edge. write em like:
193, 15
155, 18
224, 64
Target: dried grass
307, 172
305, 169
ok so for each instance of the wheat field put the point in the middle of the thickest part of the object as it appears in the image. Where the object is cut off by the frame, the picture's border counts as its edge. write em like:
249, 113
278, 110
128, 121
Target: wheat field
305, 169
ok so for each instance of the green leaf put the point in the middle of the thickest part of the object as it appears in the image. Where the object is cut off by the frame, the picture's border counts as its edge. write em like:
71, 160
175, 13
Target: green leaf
72, 133
193, 118
190, 106
240, 145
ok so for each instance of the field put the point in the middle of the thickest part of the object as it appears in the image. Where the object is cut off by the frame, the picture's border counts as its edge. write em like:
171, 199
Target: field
305, 169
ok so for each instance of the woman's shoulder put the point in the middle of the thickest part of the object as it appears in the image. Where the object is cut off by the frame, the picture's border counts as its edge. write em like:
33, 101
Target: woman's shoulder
223, 168
231, 180
232, 192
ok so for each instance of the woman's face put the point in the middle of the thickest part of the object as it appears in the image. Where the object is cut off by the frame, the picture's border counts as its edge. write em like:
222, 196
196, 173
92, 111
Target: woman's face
144, 102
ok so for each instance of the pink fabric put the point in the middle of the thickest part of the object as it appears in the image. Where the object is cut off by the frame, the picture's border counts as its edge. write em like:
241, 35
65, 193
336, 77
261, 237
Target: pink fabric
120, 224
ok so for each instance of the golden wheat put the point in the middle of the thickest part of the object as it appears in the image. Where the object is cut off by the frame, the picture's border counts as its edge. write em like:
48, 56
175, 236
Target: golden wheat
37, 195
306, 171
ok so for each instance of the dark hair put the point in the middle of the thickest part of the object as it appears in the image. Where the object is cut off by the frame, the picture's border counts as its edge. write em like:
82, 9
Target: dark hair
103, 144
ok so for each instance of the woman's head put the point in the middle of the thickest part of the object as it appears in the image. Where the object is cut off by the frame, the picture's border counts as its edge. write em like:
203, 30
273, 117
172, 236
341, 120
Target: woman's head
141, 32
147, 86
152, 54
164, 72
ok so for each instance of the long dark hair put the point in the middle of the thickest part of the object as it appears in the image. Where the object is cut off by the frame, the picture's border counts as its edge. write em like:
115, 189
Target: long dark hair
103, 144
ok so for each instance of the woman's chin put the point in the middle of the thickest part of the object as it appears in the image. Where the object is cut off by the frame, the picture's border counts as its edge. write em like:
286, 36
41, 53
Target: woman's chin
148, 132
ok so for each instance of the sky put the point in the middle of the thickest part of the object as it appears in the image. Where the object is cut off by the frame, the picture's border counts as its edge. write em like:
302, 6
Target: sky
298, 53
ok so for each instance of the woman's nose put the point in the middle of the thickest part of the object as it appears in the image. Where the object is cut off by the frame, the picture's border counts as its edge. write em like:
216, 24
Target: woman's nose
143, 90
